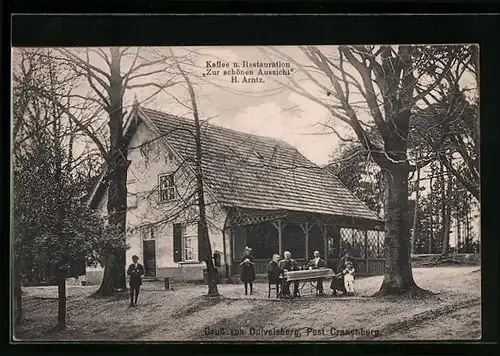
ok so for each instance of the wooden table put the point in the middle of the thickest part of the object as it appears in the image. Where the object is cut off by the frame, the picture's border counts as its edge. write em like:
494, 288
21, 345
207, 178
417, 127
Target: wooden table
310, 275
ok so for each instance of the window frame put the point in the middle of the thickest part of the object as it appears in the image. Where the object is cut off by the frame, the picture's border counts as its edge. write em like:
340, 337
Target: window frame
171, 187
194, 248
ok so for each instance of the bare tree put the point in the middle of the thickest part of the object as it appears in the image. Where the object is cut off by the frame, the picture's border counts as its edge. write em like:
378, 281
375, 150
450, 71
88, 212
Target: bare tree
448, 126
52, 225
108, 79
387, 82
202, 226
191, 205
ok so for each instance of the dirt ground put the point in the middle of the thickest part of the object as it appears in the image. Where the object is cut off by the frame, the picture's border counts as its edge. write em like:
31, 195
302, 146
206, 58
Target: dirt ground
454, 312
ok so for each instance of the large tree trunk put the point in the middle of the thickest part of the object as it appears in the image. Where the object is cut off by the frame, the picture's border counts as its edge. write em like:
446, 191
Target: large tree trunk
117, 165
398, 277
107, 287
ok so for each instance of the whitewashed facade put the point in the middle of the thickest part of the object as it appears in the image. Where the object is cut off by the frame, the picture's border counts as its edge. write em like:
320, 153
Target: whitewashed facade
150, 207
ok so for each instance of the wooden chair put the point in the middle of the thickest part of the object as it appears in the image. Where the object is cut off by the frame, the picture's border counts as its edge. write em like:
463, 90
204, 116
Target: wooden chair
270, 285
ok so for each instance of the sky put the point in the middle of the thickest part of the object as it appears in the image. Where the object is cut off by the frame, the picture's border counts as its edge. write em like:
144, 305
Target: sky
265, 109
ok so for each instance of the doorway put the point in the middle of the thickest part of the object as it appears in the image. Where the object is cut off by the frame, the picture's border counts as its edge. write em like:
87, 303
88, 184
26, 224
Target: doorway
149, 252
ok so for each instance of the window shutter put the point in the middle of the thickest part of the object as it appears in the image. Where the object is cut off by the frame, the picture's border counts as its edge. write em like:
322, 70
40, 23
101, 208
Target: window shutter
177, 242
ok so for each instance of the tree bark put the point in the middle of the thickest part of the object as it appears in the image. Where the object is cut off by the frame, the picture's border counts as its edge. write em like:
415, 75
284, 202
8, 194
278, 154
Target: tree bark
117, 166
107, 287
398, 277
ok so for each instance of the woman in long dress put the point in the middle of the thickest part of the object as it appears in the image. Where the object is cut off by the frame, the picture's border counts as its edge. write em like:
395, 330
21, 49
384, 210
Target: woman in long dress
247, 269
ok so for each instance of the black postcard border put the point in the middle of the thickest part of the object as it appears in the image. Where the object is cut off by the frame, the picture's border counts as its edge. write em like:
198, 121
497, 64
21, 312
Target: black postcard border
209, 29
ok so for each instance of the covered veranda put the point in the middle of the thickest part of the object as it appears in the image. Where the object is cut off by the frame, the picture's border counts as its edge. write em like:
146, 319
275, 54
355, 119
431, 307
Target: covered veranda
301, 233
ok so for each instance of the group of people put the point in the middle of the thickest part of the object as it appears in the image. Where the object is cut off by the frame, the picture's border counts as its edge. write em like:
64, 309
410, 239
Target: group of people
343, 281
274, 269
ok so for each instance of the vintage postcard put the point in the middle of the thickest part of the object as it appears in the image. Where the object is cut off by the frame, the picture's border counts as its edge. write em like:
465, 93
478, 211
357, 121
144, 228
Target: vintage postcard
287, 193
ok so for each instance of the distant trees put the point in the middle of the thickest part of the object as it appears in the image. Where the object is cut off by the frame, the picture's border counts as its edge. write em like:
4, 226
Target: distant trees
442, 202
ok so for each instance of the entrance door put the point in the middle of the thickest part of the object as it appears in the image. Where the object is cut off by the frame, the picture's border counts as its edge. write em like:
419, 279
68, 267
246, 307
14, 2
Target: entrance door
149, 258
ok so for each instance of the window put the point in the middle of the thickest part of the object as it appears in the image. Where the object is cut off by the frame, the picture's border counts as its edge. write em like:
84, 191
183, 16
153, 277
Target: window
190, 242
185, 242
166, 187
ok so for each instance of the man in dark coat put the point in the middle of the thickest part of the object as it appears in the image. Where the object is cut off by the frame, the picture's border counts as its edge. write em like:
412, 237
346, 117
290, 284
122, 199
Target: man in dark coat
342, 266
273, 273
135, 271
316, 263
287, 264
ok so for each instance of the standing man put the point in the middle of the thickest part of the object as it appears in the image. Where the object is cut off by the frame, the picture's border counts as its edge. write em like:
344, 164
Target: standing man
316, 263
135, 271
287, 264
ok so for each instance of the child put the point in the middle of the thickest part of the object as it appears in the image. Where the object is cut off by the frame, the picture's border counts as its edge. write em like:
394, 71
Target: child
135, 271
337, 283
247, 269
349, 278
273, 273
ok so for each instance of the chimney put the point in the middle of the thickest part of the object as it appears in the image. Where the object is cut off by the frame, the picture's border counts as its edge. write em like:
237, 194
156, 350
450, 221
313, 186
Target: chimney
135, 108
136, 102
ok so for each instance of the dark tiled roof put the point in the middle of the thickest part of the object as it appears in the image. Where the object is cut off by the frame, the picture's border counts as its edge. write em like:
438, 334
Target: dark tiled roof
251, 171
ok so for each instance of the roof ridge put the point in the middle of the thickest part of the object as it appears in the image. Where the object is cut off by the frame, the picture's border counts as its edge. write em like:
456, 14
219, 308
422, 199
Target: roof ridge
274, 140
306, 187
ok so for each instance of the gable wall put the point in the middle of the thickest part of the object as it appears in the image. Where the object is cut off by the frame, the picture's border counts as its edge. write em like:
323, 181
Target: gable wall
149, 158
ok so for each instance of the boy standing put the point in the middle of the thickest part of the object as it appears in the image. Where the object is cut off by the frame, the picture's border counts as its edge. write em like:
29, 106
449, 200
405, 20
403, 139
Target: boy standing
135, 271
